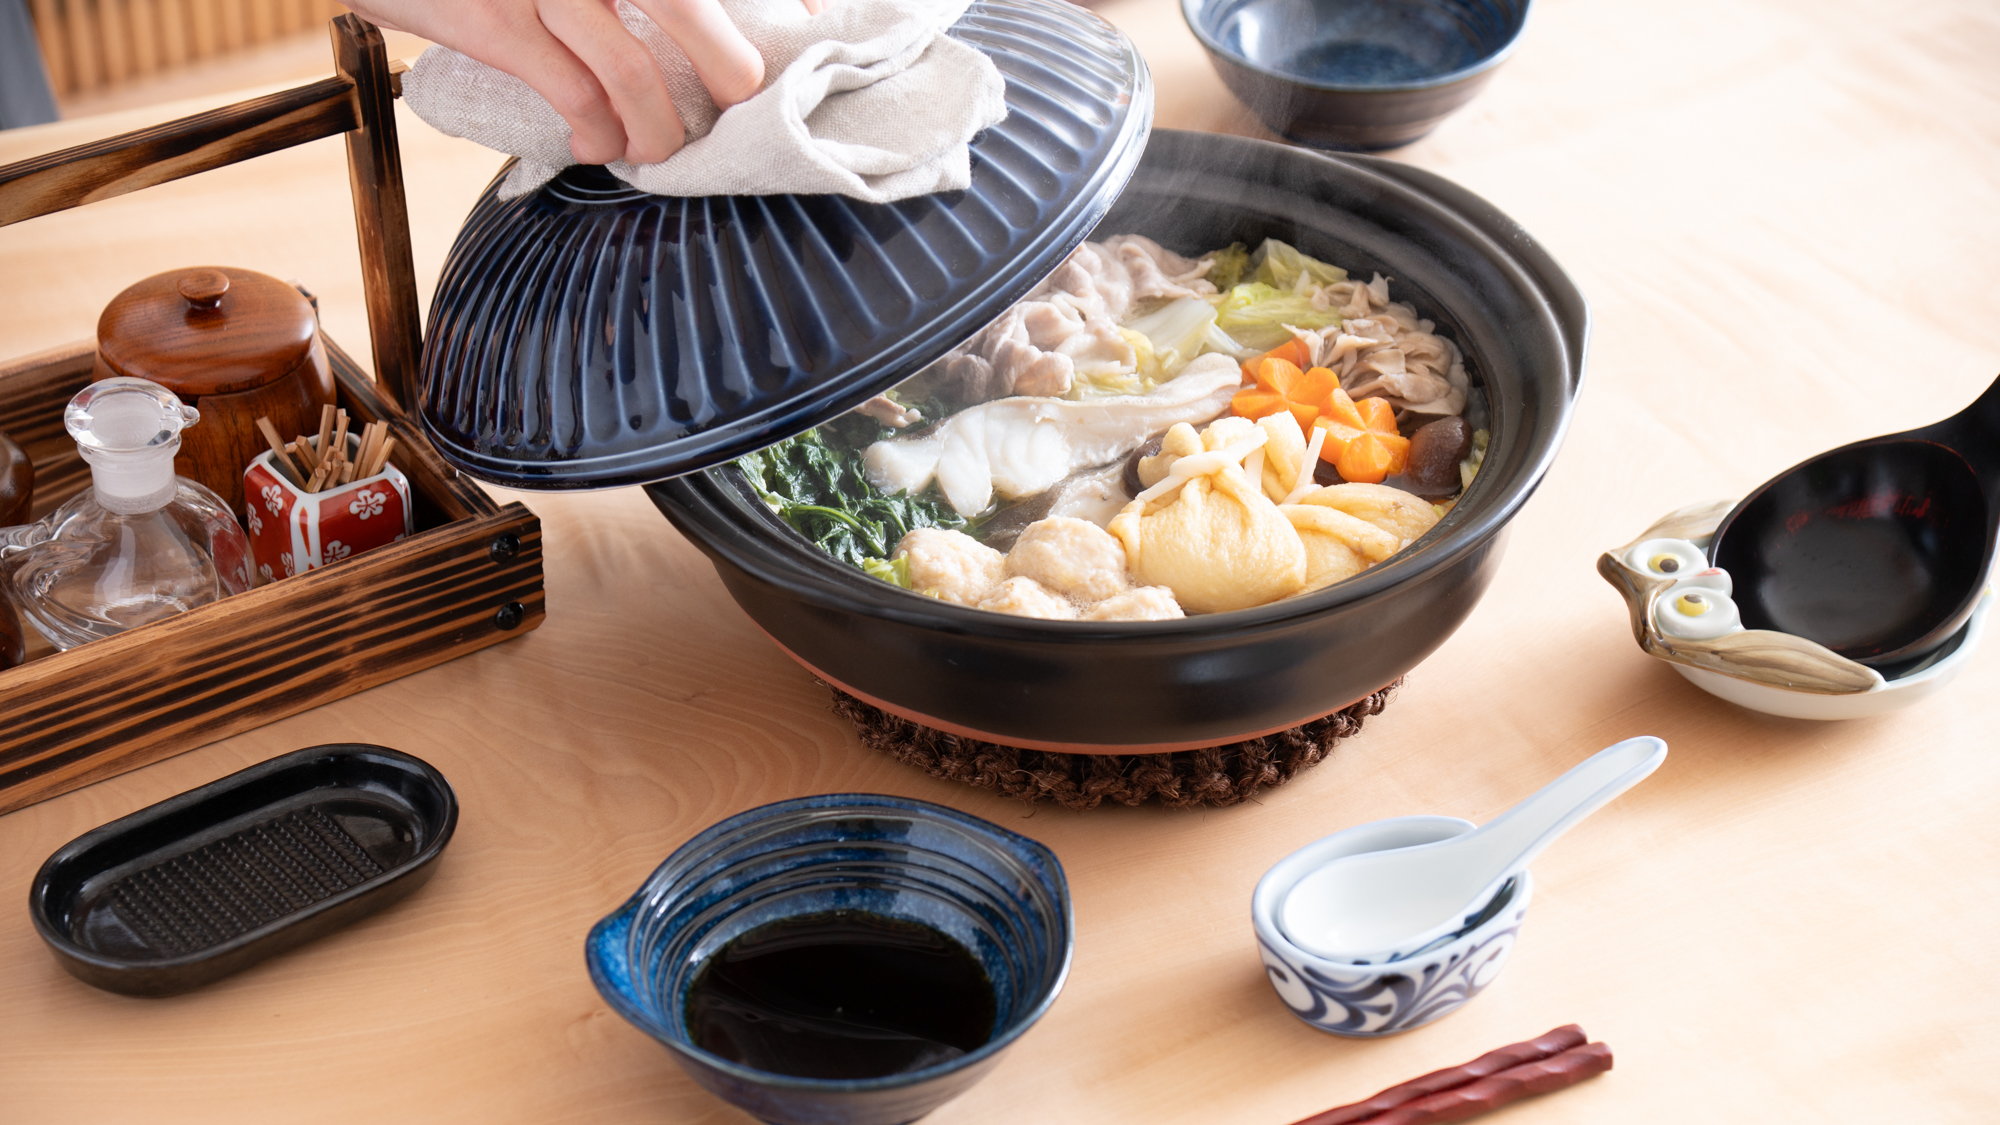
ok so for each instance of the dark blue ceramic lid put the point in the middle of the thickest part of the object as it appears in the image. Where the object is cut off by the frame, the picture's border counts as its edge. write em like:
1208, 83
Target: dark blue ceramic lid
590, 335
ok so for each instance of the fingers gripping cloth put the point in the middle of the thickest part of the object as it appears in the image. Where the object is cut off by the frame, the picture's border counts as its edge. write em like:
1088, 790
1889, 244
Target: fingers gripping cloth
868, 99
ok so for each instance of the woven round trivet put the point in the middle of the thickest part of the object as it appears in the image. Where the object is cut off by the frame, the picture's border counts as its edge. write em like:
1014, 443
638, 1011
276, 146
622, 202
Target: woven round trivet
1185, 779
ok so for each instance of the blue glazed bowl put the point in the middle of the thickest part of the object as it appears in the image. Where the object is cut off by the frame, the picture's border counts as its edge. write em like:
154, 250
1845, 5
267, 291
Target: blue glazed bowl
1001, 895
1357, 75
1364, 1001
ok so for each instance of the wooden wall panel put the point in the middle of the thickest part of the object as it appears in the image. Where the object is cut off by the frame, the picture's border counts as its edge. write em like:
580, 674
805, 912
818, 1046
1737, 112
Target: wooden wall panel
176, 33
235, 25
145, 36
114, 27
263, 19
84, 44
50, 28
207, 27
91, 44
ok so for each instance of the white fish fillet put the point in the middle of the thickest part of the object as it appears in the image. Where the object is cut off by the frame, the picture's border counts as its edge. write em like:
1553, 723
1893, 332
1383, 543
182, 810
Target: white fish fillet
1021, 446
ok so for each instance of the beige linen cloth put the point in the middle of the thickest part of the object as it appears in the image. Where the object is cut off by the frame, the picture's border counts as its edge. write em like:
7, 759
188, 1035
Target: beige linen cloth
868, 99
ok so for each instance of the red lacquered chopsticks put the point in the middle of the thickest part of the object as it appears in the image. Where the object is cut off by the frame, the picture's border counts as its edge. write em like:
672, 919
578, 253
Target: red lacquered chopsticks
1562, 1057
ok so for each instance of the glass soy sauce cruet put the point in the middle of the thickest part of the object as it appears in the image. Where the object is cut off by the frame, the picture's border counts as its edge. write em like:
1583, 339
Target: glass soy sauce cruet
141, 544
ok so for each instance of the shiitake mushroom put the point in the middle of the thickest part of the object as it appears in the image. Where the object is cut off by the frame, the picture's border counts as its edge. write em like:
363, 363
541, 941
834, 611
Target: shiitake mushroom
1435, 452
1133, 486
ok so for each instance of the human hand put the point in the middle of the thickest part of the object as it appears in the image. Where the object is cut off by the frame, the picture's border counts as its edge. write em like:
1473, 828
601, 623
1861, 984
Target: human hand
592, 71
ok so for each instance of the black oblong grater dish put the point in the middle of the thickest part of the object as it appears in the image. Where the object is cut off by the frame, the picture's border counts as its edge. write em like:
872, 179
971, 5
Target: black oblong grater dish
218, 878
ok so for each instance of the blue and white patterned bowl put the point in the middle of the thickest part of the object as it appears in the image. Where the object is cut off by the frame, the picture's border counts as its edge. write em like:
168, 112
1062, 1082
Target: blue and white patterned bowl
1363, 1001
1001, 895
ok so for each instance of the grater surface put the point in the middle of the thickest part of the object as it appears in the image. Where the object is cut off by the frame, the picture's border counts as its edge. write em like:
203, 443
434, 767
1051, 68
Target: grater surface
233, 885
211, 881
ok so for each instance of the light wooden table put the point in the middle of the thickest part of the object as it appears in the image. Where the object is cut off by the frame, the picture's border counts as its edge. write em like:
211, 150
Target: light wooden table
1783, 212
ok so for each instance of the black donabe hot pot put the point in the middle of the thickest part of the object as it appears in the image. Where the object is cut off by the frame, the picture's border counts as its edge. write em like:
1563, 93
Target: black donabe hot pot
645, 316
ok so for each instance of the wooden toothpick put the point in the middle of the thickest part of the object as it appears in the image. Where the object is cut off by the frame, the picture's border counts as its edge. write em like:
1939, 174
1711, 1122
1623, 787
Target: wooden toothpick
278, 454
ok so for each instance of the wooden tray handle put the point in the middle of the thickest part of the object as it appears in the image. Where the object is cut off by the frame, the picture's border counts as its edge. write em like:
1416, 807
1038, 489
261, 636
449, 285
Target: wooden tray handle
357, 101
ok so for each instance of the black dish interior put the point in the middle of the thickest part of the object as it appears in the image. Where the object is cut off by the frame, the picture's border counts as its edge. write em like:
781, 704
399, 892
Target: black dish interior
1357, 75
1215, 678
206, 883
1861, 550
1879, 550
1364, 43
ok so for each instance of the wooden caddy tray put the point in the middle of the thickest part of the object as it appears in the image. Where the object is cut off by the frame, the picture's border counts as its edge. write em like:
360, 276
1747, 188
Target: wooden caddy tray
471, 575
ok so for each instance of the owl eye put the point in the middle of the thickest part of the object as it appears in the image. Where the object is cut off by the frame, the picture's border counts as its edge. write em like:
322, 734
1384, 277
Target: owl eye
1673, 559
1698, 614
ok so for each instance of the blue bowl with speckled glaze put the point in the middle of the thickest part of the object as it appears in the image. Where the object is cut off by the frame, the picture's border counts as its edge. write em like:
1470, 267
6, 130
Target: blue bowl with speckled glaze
999, 894
1364, 1001
1356, 75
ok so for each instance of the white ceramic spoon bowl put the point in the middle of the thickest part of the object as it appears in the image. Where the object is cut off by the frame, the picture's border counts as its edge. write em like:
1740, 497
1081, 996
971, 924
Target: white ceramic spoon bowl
1380, 905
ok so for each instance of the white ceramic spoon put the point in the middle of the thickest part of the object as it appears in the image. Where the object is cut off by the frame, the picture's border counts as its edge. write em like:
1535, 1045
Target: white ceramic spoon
1378, 906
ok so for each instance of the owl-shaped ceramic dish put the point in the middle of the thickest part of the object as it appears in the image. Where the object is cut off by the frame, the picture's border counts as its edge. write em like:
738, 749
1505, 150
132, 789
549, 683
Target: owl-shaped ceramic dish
1683, 612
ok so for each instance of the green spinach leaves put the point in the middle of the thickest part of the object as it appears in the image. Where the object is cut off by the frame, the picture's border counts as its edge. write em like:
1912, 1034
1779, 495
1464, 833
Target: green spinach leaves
821, 491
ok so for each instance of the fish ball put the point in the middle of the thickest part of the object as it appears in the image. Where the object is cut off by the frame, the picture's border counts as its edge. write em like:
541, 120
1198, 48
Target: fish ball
1073, 557
1025, 597
951, 565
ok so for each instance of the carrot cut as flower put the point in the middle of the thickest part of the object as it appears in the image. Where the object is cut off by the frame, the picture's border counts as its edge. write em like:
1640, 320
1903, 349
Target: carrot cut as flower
1366, 459
1338, 436
1317, 384
1399, 451
1391, 450
1377, 414
1280, 375
1337, 407
1257, 402
1292, 351
1315, 398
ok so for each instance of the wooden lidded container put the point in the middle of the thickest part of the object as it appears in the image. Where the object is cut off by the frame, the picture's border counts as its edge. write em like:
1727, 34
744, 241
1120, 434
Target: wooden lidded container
17, 483
234, 344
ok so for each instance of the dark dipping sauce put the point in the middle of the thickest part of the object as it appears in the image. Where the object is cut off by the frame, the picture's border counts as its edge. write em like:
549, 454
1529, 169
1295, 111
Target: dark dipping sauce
841, 994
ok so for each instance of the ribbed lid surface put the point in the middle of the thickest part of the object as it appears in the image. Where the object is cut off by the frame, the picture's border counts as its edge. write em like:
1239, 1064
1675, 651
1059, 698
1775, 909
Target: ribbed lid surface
590, 335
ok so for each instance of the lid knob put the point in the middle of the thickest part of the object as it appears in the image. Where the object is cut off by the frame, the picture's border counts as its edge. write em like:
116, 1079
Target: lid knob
128, 430
203, 289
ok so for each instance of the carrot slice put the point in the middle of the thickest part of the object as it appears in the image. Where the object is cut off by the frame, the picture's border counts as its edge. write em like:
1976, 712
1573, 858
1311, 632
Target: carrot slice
1377, 414
1336, 406
1280, 375
1317, 384
1366, 459
1256, 402
1293, 351
1399, 450
1338, 436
